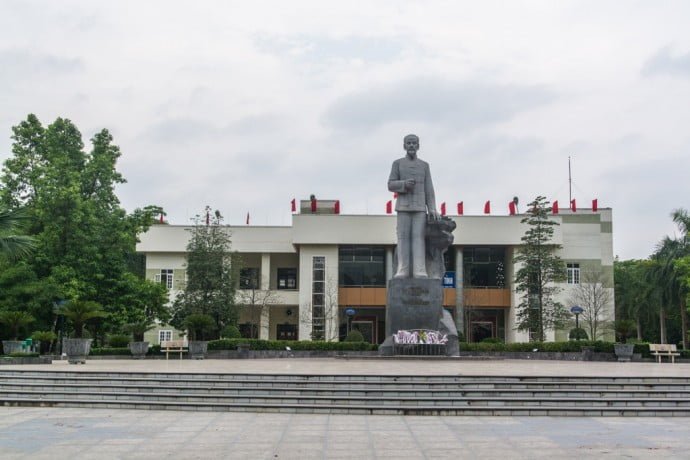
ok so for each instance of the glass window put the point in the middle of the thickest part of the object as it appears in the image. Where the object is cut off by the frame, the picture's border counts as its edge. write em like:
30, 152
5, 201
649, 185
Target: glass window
165, 277
573, 273
484, 267
287, 278
362, 265
164, 335
249, 278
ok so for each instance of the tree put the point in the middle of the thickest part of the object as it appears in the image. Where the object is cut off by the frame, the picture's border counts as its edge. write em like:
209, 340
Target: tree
79, 312
595, 295
540, 268
85, 241
212, 275
15, 320
256, 302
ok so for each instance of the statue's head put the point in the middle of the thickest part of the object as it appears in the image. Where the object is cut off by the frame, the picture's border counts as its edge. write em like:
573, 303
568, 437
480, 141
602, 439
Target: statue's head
411, 145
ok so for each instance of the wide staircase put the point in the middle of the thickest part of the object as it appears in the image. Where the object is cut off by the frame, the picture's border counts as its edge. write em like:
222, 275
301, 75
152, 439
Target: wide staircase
351, 394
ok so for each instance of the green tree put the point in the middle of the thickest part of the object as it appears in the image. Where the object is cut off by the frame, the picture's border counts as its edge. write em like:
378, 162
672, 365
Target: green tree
79, 312
85, 241
212, 275
539, 271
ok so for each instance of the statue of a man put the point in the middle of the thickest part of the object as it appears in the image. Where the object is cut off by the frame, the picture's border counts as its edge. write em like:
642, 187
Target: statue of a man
411, 180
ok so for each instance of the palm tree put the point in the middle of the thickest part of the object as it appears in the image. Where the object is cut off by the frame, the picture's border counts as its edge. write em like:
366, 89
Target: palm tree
13, 245
79, 312
15, 320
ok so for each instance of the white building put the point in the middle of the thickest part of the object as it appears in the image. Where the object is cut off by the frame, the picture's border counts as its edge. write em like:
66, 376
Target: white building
337, 266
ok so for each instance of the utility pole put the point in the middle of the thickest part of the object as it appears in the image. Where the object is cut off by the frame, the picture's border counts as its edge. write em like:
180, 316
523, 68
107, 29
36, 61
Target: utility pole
570, 183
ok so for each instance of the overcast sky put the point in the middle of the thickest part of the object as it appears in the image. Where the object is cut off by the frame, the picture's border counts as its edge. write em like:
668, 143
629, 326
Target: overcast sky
246, 105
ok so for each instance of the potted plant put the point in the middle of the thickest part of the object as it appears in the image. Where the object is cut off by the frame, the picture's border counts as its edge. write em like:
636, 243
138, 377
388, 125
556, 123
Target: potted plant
43, 340
79, 312
624, 328
14, 320
138, 347
198, 326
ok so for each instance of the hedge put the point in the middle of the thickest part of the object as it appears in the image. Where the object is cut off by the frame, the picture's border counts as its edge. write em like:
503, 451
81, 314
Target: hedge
572, 346
256, 344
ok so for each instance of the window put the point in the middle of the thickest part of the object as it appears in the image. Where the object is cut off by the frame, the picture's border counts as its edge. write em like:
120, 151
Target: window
484, 267
249, 278
287, 278
362, 265
573, 273
318, 304
165, 277
164, 335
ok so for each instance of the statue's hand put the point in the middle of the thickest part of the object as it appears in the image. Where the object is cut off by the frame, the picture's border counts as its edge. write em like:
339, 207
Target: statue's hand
409, 184
434, 215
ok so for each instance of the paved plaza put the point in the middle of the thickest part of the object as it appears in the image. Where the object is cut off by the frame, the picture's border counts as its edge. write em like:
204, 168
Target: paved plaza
78, 433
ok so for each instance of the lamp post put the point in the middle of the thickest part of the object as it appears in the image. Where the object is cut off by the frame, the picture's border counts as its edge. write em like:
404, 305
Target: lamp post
576, 310
350, 312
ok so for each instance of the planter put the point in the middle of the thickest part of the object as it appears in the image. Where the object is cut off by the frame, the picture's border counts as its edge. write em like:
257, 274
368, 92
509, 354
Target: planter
139, 349
76, 350
197, 349
624, 351
12, 346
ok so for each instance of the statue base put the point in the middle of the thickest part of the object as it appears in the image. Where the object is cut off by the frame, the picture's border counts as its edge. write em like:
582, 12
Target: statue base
417, 303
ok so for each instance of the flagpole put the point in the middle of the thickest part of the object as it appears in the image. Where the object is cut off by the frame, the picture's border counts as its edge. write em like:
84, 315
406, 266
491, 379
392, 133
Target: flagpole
570, 183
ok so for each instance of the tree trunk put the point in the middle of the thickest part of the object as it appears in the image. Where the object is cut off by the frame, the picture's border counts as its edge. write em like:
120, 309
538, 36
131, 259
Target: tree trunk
662, 324
639, 329
684, 323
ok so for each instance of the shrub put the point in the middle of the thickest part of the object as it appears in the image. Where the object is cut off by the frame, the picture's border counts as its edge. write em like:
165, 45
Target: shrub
354, 336
577, 333
256, 344
492, 340
44, 338
230, 332
199, 325
109, 351
118, 340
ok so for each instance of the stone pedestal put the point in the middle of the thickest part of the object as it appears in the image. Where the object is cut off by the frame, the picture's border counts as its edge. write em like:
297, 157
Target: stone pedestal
417, 303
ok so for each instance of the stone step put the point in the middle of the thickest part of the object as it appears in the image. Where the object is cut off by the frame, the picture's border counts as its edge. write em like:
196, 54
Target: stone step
507, 410
348, 400
320, 390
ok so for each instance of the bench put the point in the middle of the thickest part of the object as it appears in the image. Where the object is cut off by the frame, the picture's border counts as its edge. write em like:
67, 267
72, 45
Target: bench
664, 349
173, 346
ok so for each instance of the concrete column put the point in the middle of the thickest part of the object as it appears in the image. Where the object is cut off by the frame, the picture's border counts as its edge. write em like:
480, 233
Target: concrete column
265, 271
389, 263
264, 322
459, 292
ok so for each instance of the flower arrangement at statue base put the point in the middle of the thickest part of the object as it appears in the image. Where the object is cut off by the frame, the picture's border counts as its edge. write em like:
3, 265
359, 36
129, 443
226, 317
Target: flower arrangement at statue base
420, 336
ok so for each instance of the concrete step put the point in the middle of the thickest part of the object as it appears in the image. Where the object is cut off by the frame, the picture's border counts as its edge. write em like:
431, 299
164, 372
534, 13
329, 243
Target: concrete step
411, 394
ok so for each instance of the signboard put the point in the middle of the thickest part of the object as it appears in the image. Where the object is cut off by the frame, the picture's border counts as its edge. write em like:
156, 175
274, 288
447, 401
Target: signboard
350, 311
576, 310
449, 280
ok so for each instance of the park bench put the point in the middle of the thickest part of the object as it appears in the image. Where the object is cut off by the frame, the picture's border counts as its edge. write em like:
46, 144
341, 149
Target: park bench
664, 349
173, 346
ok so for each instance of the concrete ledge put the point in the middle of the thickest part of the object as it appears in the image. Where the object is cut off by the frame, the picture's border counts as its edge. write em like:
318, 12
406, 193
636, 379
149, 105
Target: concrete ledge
26, 360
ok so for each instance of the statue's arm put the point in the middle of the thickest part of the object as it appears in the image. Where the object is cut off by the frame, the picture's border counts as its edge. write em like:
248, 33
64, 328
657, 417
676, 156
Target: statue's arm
429, 193
394, 182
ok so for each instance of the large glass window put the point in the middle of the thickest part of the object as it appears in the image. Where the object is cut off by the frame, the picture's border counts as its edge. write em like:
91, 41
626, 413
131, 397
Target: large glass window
484, 267
165, 277
318, 311
362, 265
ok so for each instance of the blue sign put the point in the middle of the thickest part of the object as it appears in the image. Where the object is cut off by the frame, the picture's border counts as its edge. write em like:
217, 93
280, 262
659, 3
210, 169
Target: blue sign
449, 280
350, 311
576, 310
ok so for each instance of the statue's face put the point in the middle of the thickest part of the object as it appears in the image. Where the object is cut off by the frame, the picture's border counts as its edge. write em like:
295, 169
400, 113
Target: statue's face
411, 145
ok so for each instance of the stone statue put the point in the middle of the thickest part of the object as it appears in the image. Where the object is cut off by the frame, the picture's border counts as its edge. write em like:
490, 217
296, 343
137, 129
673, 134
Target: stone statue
411, 180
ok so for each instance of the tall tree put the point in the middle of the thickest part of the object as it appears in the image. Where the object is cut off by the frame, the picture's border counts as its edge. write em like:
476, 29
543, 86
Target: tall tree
13, 245
539, 271
212, 275
85, 241
595, 295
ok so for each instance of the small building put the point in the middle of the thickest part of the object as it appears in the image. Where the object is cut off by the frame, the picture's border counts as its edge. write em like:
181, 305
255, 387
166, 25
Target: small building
326, 273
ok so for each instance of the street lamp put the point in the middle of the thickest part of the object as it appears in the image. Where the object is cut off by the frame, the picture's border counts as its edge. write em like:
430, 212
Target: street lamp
576, 310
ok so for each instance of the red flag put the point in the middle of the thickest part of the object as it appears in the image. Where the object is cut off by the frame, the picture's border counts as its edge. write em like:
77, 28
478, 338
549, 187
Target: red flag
595, 205
313, 205
487, 207
336, 207
247, 218
461, 208
573, 206
389, 207
293, 205
555, 207
511, 208
443, 208
395, 195
161, 219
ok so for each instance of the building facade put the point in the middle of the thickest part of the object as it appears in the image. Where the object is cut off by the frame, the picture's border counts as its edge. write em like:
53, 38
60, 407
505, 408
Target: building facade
326, 273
